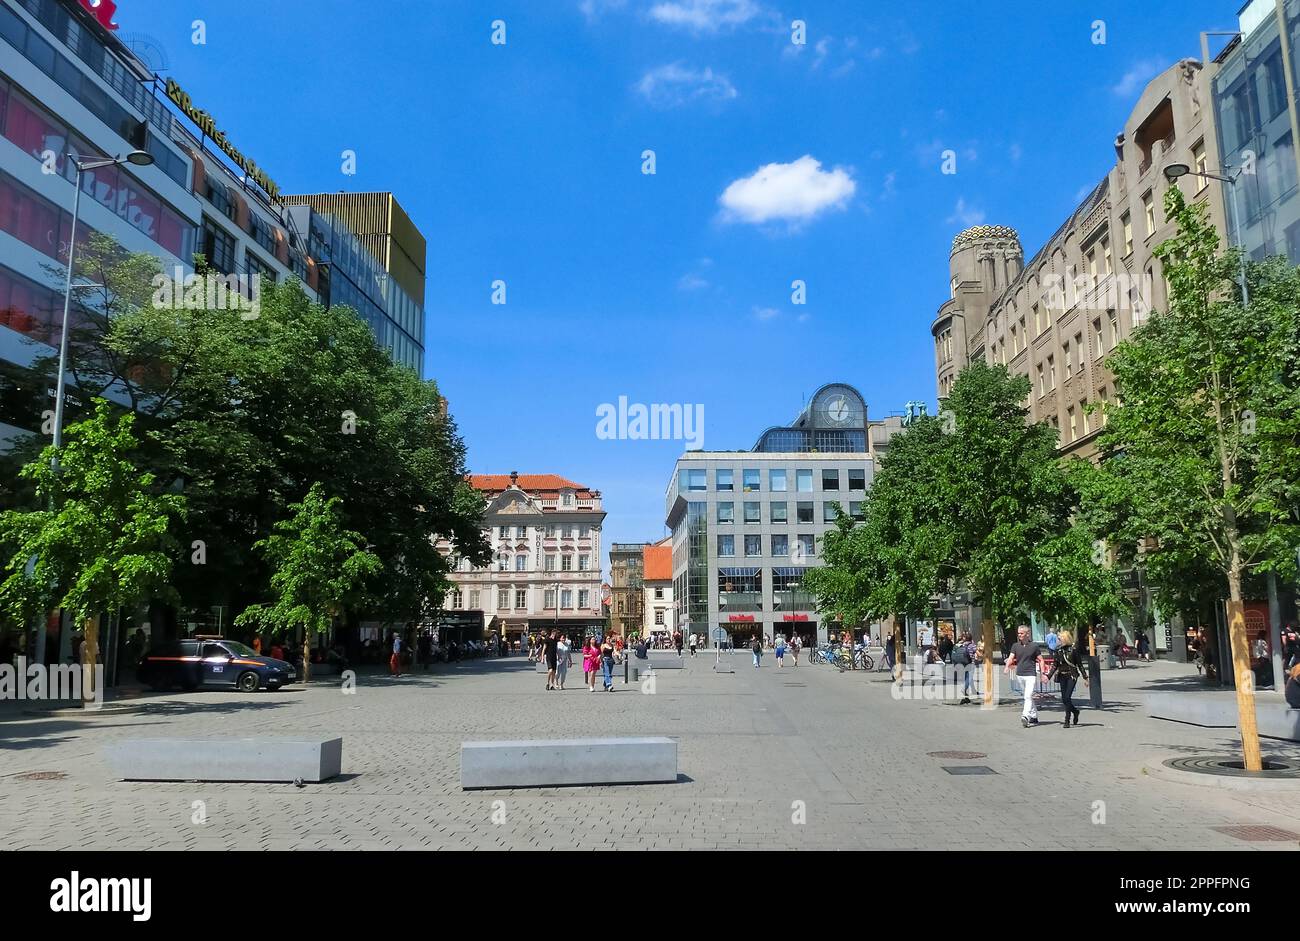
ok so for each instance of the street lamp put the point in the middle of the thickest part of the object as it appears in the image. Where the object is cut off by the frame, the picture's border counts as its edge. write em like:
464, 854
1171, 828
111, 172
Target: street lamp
139, 158
1177, 170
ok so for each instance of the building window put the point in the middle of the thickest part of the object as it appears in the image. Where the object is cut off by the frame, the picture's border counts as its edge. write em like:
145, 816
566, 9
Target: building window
780, 544
751, 479
1042, 381
828, 512
830, 479
1051, 373
659, 593
503, 562
456, 599
1126, 221
566, 563
583, 595
1105, 254
694, 480
473, 599
726, 512
1083, 410
1092, 266
521, 563
566, 532
1149, 210
857, 479
1104, 397
550, 563
549, 603
1069, 362
856, 510
218, 247
659, 618
1038, 321
550, 530
503, 532
776, 480
723, 479
1074, 423
1200, 166
753, 513
584, 531
804, 511
521, 532
584, 563
753, 545
566, 598
503, 599
777, 512
807, 545
567, 497
726, 545
1098, 339
803, 481
1114, 327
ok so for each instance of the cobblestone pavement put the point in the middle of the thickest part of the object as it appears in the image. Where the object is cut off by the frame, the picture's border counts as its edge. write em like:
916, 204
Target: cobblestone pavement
800, 758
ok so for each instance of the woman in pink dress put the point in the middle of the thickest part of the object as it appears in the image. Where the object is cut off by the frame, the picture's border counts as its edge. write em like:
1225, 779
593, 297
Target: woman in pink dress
590, 662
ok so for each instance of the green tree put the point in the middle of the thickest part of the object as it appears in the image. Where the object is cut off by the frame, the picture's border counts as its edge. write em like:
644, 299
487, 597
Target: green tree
1202, 448
105, 541
317, 567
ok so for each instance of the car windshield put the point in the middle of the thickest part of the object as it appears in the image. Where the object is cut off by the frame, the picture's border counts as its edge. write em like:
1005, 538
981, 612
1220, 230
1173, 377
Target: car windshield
238, 649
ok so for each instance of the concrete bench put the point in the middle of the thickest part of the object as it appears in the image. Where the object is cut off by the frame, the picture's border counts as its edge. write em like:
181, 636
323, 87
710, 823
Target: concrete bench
564, 762
224, 759
1219, 711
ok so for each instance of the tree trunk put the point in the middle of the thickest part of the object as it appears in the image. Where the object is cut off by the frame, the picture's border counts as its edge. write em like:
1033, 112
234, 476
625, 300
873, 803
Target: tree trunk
1241, 669
89, 657
988, 631
306, 654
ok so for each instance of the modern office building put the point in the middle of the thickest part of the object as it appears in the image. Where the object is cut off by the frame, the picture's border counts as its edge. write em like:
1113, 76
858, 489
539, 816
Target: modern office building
746, 525
626, 584
657, 589
545, 571
1253, 87
69, 85
1056, 317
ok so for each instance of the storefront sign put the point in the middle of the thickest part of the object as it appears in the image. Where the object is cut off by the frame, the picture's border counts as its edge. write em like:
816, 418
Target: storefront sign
208, 125
795, 617
747, 618
103, 11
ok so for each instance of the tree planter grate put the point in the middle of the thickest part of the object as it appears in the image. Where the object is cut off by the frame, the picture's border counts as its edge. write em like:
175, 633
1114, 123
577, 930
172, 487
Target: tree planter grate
1258, 834
968, 769
1230, 766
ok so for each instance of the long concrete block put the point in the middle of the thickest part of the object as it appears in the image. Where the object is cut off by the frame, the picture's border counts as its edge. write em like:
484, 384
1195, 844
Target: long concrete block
565, 762
242, 759
1273, 719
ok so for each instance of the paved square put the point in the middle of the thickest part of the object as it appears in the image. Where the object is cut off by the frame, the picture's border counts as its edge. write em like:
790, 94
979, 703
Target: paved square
802, 757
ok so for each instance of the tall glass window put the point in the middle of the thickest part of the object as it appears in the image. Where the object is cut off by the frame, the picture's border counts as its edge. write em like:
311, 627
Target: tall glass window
776, 480
804, 481
726, 512
723, 479
726, 545
752, 512
752, 477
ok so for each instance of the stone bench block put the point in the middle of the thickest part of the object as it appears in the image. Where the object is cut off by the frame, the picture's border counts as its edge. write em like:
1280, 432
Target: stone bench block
567, 762
1273, 719
243, 759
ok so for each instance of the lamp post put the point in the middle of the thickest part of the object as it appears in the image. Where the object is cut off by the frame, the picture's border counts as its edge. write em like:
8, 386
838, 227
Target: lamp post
139, 158
1177, 170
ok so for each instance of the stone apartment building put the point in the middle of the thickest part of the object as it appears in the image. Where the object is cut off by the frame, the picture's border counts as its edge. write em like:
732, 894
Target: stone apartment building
545, 532
1056, 317
626, 604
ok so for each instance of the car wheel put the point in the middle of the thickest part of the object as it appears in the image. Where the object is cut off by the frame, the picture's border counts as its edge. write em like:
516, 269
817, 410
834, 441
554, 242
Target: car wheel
247, 682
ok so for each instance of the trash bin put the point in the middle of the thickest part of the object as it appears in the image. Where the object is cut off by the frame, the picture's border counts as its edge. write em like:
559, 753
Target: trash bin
1105, 657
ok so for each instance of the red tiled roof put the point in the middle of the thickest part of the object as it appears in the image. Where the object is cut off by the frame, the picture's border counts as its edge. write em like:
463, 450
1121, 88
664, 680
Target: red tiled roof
658, 563
531, 482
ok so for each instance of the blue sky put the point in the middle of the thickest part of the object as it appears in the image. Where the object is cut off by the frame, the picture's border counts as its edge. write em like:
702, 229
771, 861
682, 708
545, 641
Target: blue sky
523, 162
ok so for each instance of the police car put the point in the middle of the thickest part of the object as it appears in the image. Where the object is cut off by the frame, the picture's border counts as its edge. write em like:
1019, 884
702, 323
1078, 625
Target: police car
212, 663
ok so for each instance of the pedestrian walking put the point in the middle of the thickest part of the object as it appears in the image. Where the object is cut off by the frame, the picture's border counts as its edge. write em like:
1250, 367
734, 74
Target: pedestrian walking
563, 660
963, 656
1143, 646
756, 647
551, 650
607, 653
1067, 667
1290, 647
590, 656
1024, 655
780, 651
677, 642
395, 661
1053, 639
1121, 648
795, 647
694, 642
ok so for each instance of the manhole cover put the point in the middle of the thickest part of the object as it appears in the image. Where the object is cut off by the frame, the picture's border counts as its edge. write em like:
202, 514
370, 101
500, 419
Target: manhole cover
957, 754
1230, 766
1258, 834
41, 776
968, 769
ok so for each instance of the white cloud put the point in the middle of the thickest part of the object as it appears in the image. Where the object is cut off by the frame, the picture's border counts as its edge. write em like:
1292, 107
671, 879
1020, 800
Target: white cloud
965, 215
705, 16
1137, 77
691, 282
1015, 153
793, 192
674, 84
592, 9
887, 188
766, 313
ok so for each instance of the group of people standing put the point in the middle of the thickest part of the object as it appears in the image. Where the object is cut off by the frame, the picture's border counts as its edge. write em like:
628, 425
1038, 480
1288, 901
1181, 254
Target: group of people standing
599, 655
